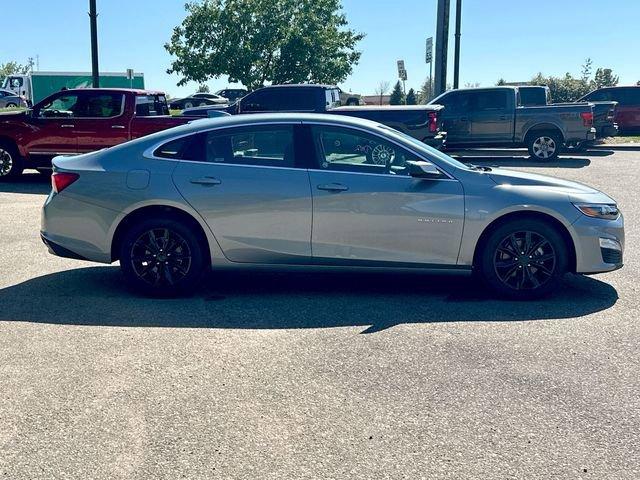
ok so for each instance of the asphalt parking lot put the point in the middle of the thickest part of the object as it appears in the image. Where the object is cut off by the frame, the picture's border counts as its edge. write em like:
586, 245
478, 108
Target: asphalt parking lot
271, 376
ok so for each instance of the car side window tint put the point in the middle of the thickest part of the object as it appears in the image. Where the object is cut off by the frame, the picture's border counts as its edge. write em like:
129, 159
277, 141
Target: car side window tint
490, 100
269, 146
173, 149
104, 105
62, 106
348, 150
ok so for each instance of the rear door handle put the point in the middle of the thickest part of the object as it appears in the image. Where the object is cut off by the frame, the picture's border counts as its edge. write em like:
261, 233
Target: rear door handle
205, 181
333, 187
67, 126
464, 119
120, 127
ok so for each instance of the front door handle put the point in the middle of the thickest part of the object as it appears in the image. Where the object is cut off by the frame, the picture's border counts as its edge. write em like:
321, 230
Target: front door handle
205, 181
464, 119
120, 127
67, 126
333, 187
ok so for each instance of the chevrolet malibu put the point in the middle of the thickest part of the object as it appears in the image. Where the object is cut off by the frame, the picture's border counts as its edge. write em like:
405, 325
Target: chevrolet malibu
320, 191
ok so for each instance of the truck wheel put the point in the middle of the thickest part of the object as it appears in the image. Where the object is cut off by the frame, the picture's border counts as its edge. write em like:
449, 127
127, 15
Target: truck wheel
544, 146
11, 164
352, 102
523, 259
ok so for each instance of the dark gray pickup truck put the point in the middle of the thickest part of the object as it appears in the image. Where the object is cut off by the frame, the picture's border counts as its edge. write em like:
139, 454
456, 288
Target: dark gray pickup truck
493, 117
604, 112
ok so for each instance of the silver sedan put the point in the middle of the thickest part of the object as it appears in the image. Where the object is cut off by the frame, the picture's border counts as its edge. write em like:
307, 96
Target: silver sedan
320, 191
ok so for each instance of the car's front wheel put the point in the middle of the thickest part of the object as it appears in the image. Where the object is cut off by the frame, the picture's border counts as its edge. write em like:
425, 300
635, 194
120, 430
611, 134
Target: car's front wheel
524, 259
161, 257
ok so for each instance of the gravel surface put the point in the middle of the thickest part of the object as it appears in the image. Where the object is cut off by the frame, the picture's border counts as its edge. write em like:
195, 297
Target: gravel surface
273, 376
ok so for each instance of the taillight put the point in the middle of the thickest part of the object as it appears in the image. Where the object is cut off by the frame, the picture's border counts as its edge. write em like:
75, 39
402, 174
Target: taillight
61, 180
587, 118
433, 122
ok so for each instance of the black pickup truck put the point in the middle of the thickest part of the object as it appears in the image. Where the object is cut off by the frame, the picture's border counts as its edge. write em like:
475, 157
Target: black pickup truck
422, 122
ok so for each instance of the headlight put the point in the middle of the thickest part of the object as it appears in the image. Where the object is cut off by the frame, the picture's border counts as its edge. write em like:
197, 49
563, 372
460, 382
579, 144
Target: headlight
606, 211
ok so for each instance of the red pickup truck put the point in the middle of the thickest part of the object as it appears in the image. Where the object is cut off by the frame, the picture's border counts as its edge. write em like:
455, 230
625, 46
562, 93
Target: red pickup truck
79, 121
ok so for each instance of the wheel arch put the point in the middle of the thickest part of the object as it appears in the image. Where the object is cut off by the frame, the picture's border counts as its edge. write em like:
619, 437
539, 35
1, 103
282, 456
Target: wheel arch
162, 211
544, 127
523, 215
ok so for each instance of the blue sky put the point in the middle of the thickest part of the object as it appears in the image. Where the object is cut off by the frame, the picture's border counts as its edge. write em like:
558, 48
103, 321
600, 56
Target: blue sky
513, 39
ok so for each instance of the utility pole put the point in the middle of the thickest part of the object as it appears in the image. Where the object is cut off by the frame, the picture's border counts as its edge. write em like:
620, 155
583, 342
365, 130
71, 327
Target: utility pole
456, 61
442, 46
93, 19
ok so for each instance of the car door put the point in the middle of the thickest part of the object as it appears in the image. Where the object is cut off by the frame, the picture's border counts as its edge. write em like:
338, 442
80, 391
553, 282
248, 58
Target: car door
455, 117
246, 184
101, 122
54, 129
492, 113
367, 210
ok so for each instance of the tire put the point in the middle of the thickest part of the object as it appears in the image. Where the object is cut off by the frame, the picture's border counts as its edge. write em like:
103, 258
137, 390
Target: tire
187, 105
531, 275
11, 163
148, 265
352, 102
544, 146
12, 105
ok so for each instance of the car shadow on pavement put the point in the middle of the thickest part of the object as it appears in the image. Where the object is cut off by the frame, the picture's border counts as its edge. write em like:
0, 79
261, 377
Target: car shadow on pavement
95, 296
28, 183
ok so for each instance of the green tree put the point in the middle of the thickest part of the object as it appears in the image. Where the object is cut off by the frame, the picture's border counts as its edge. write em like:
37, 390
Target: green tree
259, 41
604, 77
563, 89
586, 70
426, 91
411, 97
397, 97
501, 82
203, 88
12, 68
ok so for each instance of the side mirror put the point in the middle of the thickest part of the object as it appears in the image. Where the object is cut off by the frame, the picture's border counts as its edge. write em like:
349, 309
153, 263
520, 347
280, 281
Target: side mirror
422, 169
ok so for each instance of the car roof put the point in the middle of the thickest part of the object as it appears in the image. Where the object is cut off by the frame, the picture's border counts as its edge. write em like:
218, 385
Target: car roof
299, 85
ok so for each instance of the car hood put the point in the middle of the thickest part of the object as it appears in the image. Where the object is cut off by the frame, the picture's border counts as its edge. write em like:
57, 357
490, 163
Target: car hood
542, 184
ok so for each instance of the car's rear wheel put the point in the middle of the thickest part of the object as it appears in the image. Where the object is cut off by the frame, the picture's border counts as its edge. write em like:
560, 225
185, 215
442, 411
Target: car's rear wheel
161, 257
12, 105
11, 164
544, 146
524, 259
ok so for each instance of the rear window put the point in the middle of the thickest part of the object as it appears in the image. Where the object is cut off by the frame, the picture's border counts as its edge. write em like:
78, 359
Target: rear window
151, 105
532, 97
405, 117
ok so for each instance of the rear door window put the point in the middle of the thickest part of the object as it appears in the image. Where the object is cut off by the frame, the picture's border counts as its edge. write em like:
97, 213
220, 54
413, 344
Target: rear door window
261, 101
627, 96
151, 105
103, 105
495, 100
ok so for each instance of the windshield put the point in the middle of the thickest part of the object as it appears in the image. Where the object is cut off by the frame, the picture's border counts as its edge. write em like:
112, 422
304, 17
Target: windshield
426, 149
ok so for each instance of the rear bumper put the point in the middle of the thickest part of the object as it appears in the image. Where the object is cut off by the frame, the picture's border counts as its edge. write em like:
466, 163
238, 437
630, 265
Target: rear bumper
59, 250
607, 131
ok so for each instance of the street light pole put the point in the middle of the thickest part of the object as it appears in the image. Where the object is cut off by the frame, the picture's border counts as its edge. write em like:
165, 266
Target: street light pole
93, 19
456, 61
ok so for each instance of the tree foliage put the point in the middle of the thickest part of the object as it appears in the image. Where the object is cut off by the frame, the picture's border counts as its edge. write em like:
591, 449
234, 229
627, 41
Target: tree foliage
203, 88
411, 97
260, 41
382, 89
12, 68
569, 89
397, 96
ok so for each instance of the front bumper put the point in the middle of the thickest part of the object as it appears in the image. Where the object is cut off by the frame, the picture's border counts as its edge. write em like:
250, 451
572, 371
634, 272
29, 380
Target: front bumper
595, 242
